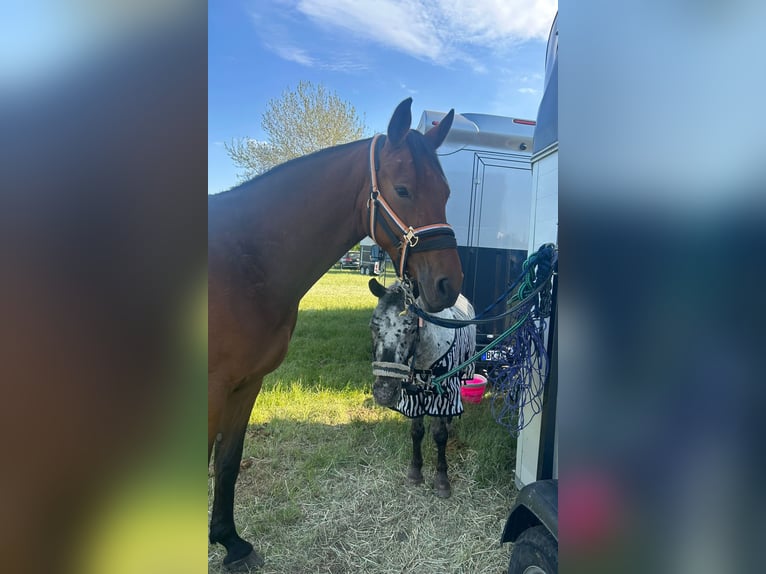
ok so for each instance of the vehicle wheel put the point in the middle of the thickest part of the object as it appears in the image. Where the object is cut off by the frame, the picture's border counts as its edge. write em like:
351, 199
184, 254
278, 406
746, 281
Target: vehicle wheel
535, 552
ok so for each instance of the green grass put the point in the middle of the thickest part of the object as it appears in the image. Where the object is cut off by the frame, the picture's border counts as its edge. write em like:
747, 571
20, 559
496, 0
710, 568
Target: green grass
322, 486
340, 290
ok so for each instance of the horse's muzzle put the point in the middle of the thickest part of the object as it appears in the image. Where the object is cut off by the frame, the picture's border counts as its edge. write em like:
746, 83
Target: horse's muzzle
443, 295
439, 278
386, 391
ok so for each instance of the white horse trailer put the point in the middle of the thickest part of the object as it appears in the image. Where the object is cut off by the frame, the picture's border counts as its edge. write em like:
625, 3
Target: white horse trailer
537, 447
486, 160
533, 522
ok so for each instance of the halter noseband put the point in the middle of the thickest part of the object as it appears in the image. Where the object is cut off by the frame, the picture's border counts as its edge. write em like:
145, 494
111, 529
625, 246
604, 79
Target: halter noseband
413, 380
408, 239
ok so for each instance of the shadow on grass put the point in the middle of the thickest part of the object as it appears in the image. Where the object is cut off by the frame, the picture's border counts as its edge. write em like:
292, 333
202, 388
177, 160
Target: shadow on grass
323, 482
334, 497
284, 449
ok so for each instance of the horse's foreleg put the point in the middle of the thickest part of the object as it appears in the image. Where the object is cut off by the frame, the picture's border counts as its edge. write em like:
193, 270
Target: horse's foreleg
440, 433
414, 474
228, 454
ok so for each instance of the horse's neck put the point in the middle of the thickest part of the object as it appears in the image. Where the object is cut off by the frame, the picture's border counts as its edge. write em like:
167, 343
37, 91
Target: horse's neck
434, 340
295, 222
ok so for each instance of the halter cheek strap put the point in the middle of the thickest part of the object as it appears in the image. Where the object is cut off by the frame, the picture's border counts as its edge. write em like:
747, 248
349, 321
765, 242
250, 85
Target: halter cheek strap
405, 238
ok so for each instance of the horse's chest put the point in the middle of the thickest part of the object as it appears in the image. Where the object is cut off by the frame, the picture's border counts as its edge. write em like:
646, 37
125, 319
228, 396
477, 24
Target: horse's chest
249, 338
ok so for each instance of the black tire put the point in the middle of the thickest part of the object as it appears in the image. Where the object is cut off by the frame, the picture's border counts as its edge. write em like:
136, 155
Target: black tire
535, 552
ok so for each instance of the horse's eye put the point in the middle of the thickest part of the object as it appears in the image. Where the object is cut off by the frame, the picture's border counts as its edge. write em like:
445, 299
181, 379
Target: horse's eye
401, 191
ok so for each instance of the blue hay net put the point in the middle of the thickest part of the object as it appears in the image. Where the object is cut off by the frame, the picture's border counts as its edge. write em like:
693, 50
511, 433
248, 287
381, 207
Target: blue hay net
518, 367
517, 361
516, 372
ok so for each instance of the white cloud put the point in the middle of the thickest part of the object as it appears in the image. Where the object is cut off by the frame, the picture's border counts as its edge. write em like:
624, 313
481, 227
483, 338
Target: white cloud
443, 32
486, 22
436, 30
342, 63
517, 93
407, 88
292, 54
277, 30
399, 24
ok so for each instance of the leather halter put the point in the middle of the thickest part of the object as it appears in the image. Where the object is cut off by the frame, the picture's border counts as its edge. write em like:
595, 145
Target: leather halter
405, 238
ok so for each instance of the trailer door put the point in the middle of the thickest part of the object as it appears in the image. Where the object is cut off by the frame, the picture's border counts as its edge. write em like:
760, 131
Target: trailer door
500, 202
498, 230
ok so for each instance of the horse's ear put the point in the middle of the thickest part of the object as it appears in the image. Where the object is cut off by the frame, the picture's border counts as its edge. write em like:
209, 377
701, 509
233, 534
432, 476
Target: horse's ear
376, 288
400, 122
436, 134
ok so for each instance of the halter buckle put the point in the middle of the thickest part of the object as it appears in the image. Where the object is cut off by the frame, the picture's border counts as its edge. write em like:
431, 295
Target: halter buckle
411, 238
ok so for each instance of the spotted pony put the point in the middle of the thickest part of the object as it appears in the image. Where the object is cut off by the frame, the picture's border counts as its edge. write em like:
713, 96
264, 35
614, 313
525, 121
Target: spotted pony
408, 354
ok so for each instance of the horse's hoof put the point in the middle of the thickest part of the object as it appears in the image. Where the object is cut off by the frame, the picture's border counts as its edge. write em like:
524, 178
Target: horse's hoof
250, 563
415, 477
442, 488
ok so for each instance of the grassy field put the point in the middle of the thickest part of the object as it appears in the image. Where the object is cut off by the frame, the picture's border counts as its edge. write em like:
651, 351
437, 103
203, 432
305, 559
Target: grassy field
322, 487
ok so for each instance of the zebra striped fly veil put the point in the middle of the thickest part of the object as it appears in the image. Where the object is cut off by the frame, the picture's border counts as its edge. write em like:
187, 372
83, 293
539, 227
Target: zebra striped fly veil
427, 401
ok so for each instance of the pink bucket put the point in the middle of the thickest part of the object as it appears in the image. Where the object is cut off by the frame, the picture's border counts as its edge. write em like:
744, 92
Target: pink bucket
473, 389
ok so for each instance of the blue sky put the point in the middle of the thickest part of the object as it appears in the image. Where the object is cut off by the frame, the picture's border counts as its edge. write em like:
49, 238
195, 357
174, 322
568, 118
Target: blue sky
482, 56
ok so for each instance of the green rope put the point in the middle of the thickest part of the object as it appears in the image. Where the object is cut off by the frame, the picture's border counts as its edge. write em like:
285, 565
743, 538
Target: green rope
525, 291
505, 334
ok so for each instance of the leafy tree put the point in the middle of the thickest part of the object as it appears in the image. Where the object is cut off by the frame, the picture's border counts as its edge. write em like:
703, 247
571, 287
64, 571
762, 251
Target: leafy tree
297, 123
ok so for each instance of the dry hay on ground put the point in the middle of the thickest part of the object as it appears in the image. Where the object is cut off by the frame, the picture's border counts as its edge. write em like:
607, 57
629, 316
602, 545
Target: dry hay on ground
367, 519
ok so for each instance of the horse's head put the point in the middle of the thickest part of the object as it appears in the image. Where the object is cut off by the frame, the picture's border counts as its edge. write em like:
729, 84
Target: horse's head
393, 342
414, 192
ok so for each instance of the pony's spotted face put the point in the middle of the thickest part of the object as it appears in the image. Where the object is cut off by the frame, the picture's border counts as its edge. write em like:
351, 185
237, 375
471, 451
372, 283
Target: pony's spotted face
413, 183
393, 340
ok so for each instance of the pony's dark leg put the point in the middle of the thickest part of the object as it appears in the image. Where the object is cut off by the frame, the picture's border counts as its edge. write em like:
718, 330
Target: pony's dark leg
414, 474
228, 454
439, 429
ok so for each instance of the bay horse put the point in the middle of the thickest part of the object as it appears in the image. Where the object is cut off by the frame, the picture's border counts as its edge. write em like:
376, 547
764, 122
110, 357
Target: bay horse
271, 238
408, 355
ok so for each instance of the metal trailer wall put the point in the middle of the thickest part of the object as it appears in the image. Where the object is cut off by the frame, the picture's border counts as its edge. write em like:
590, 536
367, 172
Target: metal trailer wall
544, 229
537, 445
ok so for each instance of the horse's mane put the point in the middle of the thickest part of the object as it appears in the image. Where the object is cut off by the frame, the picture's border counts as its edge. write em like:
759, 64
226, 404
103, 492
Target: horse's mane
417, 144
319, 154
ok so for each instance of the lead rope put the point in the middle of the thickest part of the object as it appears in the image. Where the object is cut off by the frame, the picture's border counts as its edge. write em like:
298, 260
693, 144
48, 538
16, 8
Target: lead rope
532, 285
410, 300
